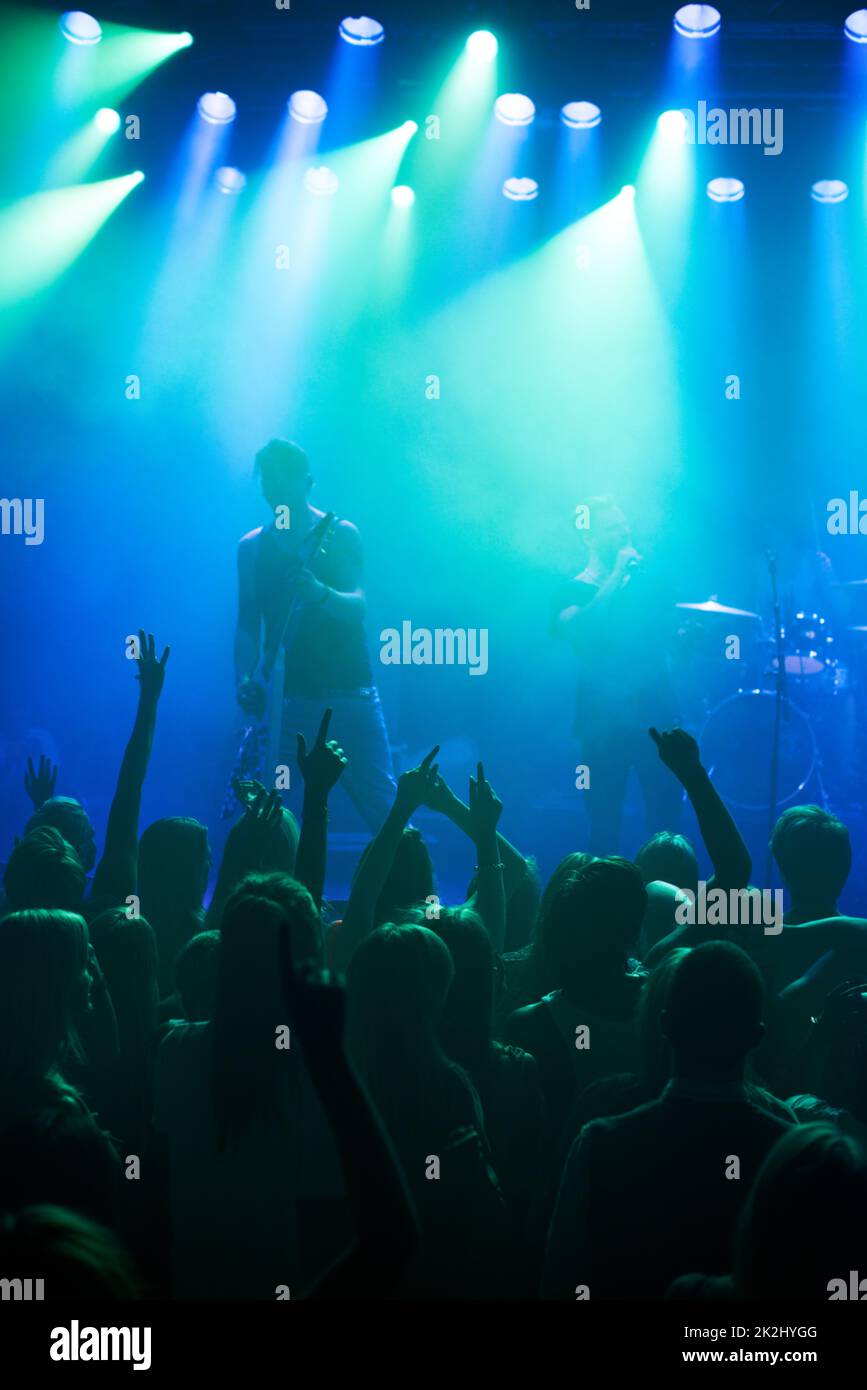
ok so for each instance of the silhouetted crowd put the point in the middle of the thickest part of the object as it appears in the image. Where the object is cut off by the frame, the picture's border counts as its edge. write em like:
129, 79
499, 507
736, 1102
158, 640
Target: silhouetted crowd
573, 1090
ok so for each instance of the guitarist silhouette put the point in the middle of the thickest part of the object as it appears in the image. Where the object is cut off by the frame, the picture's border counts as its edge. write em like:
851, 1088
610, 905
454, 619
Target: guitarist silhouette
300, 642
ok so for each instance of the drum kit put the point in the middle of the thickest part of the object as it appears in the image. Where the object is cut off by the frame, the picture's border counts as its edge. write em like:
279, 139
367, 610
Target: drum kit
727, 669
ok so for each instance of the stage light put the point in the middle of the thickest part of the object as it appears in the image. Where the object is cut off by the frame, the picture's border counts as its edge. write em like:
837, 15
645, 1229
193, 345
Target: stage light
725, 190
627, 192
79, 27
402, 196
855, 27
697, 21
829, 191
580, 115
363, 32
308, 108
321, 182
230, 180
411, 127
107, 121
672, 125
482, 46
185, 39
521, 190
217, 108
514, 109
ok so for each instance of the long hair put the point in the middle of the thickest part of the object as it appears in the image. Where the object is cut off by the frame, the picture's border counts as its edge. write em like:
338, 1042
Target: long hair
44, 871
43, 953
398, 980
468, 1015
251, 1077
410, 878
544, 970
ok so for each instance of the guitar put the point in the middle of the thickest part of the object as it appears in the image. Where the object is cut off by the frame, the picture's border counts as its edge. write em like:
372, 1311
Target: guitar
259, 748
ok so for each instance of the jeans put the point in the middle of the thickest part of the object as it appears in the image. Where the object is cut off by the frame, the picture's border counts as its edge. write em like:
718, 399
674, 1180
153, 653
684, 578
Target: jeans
358, 727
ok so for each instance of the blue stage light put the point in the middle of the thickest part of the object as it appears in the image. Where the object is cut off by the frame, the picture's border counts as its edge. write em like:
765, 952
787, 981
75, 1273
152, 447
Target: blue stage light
230, 180
308, 108
697, 21
514, 109
829, 191
363, 32
855, 27
580, 115
217, 108
79, 27
725, 190
521, 190
402, 196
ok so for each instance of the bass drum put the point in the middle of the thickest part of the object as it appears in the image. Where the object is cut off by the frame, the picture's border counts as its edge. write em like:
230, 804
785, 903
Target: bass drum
736, 744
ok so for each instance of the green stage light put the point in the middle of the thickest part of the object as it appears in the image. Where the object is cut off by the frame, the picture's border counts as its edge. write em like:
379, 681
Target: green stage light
115, 66
42, 235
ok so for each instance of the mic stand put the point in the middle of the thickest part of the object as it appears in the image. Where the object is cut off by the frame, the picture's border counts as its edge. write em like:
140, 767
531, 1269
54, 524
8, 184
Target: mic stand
780, 710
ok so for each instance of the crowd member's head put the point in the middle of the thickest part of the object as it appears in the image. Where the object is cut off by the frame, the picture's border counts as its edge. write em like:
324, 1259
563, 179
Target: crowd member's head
45, 984
69, 817
814, 855
593, 921
74, 1257
467, 1020
283, 471
173, 862
668, 858
196, 976
410, 879
551, 893
247, 1064
654, 1047
713, 1012
398, 982
127, 954
804, 1223
44, 871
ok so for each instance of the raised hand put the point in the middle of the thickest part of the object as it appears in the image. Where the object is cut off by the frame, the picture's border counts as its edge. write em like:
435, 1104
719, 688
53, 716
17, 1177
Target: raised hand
323, 764
485, 806
151, 672
261, 819
315, 1001
440, 796
414, 786
39, 785
679, 751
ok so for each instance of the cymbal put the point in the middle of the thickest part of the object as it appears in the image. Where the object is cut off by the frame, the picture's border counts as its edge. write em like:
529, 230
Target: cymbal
858, 629
711, 606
